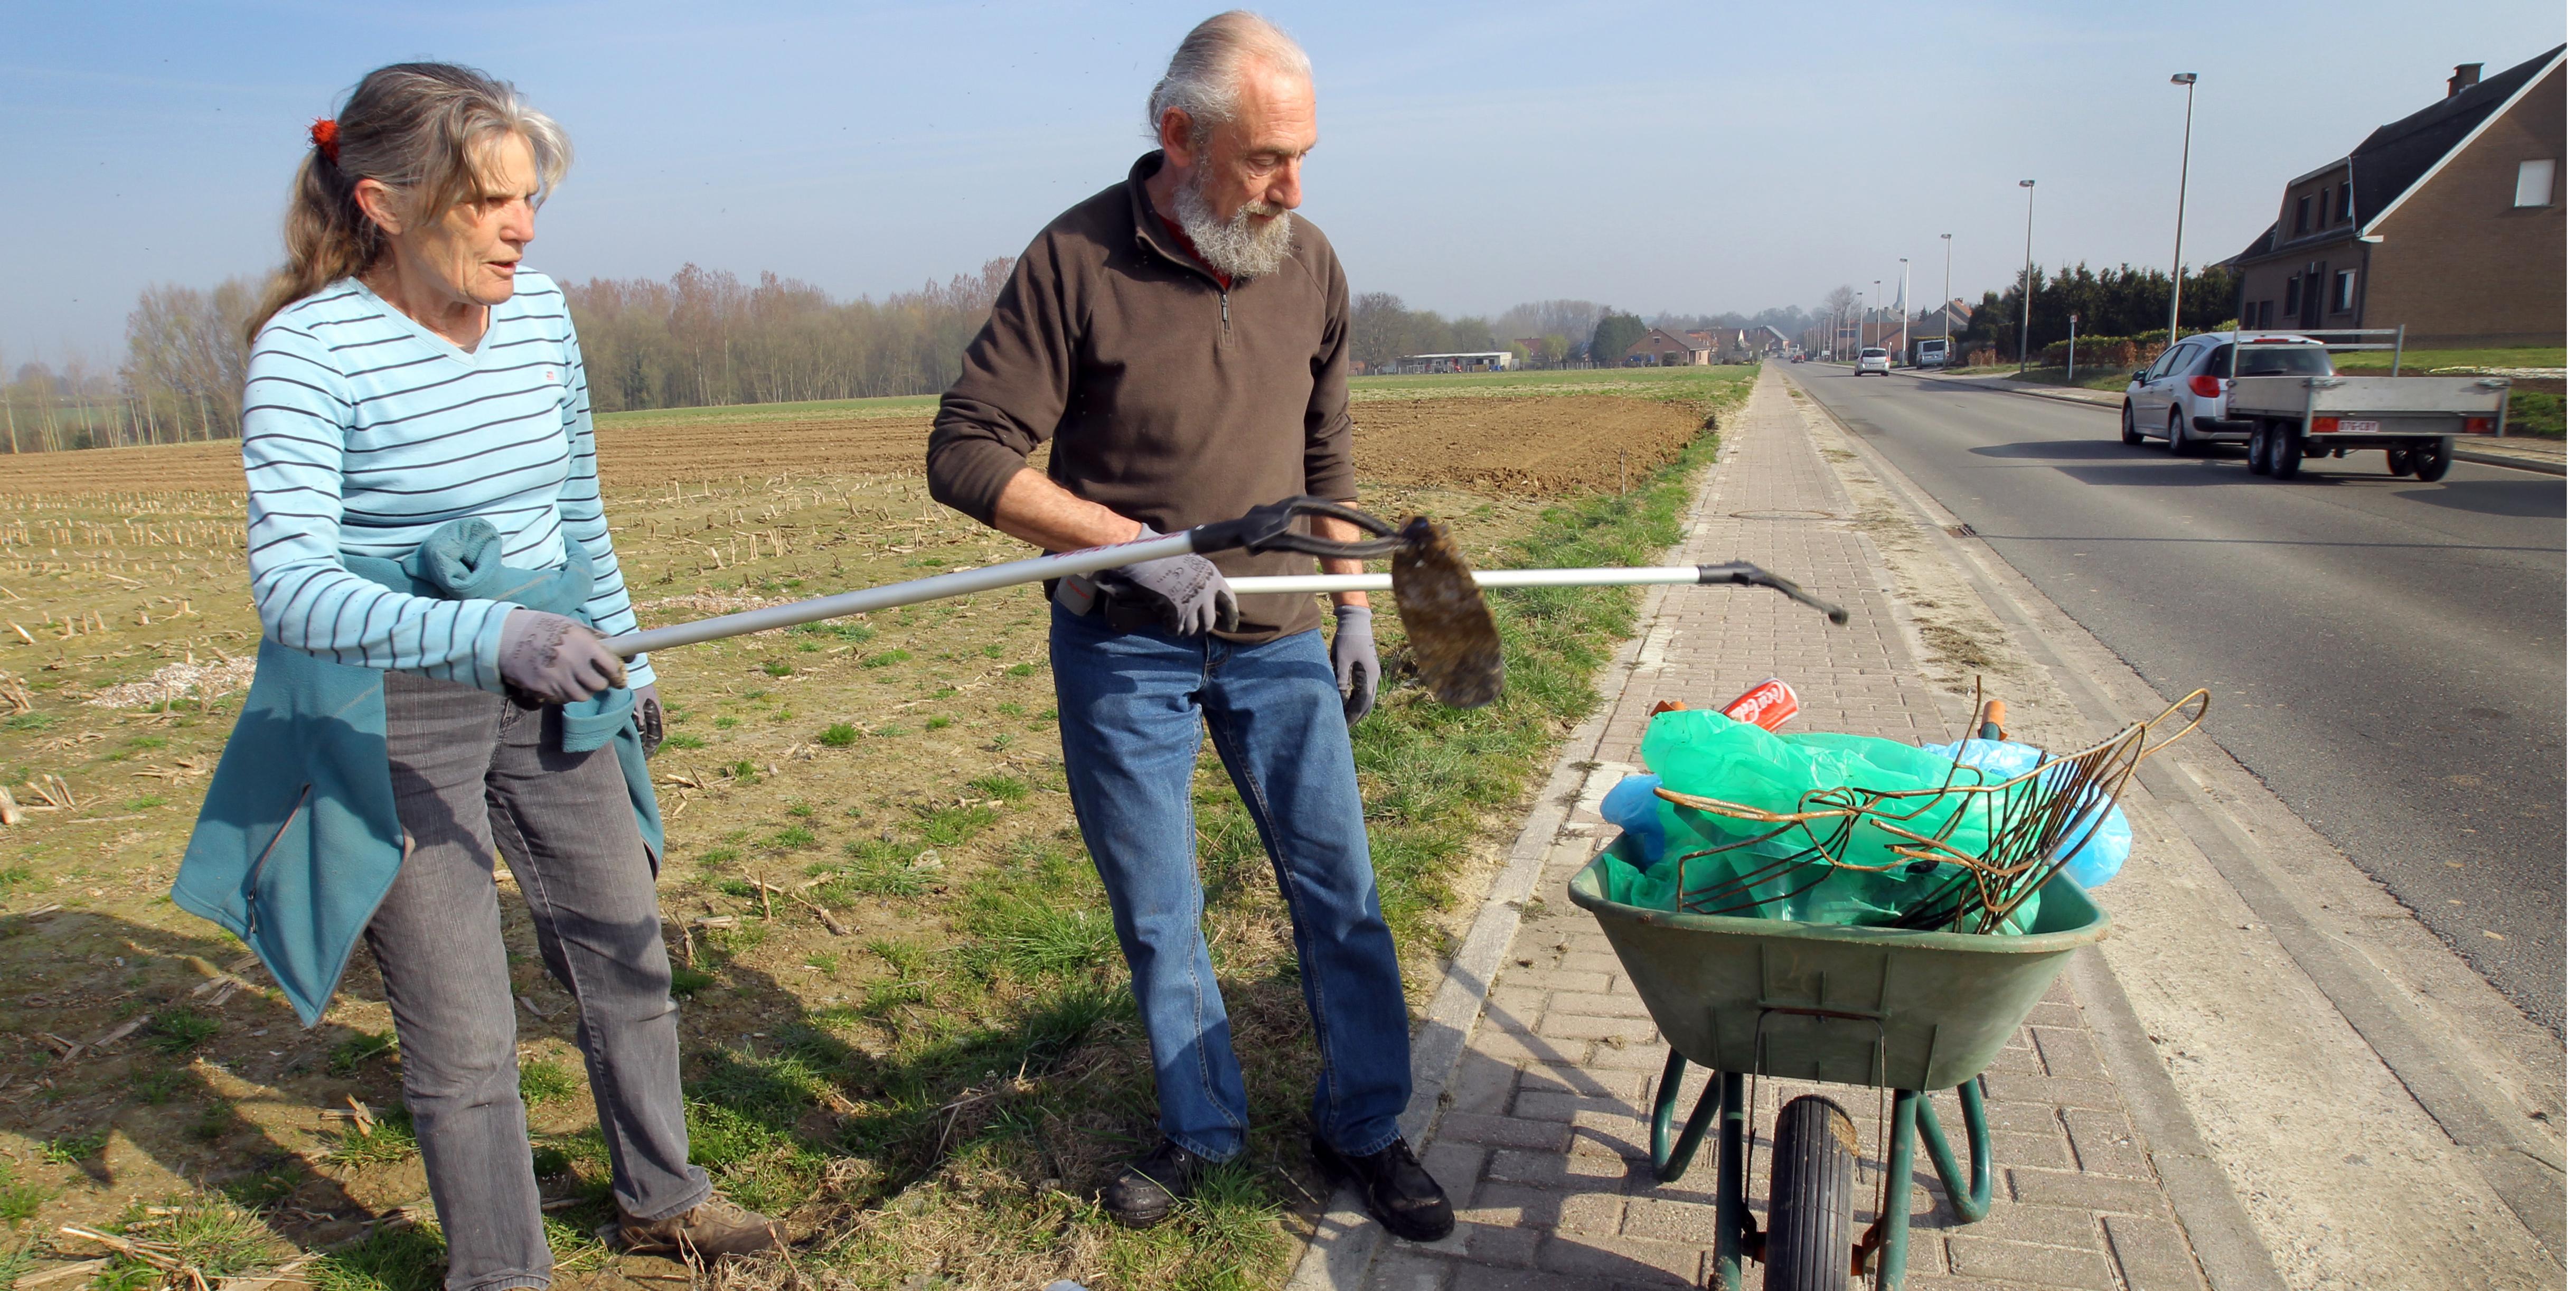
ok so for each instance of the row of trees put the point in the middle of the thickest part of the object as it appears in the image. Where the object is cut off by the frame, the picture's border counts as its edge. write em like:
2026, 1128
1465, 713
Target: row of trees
1544, 333
43, 407
703, 337
181, 379
1548, 333
1790, 319
706, 337
1383, 330
2109, 302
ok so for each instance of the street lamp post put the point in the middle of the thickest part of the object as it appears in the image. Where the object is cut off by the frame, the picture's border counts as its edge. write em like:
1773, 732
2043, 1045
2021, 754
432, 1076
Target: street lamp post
1904, 310
1945, 298
2070, 349
1876, 316
2190, 83
2029, 215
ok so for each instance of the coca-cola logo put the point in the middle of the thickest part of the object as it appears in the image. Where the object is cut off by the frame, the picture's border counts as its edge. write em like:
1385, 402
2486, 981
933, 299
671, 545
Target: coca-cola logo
1766, 705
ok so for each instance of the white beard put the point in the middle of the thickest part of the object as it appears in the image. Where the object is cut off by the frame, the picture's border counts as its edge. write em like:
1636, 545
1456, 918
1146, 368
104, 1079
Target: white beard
1240, 246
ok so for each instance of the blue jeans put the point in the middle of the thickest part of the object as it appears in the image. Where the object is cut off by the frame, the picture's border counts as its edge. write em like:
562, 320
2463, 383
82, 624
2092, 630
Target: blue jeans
1130, 705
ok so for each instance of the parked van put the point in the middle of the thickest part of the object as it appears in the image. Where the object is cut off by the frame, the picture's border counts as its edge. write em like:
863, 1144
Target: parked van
1932, 352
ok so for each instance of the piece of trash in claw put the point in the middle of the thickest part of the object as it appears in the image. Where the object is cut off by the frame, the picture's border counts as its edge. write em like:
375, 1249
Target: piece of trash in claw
1455, 646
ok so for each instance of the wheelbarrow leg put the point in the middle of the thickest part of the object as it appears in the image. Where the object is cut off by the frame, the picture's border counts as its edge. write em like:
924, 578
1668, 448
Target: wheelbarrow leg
1672, 1156
1977, 1196
1970, 1199
1734, 1214
1896, 1220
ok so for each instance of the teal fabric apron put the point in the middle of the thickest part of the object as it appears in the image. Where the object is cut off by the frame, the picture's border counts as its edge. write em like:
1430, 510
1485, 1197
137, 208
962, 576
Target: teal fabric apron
298, 842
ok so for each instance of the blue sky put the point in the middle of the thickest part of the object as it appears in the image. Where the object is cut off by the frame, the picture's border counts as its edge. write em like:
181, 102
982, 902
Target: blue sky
1691, 158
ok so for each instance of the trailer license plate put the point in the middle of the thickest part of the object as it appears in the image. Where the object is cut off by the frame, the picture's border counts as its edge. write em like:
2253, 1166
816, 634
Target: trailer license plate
2359, 427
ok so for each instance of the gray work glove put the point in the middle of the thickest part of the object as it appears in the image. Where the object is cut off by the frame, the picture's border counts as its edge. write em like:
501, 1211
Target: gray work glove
1186, 593
648, 717
1355, 665
556, 659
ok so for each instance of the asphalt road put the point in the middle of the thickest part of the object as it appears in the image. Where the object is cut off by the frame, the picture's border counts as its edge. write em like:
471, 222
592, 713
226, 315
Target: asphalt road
2389, 656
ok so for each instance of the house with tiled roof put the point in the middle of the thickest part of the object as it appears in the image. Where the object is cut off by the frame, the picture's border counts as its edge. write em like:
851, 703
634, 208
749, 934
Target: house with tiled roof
1661, 349
2451, 222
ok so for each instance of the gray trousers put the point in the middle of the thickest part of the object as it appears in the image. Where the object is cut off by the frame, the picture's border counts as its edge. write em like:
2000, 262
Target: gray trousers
473, 773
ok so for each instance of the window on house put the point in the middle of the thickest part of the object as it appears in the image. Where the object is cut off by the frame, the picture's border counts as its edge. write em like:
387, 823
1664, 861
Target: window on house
2343, 202
2263, 316
2535, 183
2343, 281
2290, 297
2304, 204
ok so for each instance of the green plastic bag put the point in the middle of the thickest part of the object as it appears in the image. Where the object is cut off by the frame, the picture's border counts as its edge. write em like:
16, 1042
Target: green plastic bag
1770, 870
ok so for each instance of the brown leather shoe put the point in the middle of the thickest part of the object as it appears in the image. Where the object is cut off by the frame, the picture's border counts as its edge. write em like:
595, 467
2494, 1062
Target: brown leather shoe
715, 1227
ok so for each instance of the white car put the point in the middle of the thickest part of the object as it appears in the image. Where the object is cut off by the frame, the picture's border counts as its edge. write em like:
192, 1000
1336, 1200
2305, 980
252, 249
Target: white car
1872, 359
2182, 397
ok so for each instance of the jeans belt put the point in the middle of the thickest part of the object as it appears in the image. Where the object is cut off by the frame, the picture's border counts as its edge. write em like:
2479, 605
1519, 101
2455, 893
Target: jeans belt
1084, 597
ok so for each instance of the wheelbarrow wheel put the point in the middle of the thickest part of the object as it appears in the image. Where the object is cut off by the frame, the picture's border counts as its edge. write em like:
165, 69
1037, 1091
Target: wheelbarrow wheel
1814, 1148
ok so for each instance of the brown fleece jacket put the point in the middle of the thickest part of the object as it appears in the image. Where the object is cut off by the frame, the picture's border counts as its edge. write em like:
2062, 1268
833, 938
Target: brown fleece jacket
1163, 396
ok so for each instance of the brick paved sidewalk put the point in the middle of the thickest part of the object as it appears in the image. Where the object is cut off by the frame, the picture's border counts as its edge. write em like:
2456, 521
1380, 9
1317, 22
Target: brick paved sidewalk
1542, 1138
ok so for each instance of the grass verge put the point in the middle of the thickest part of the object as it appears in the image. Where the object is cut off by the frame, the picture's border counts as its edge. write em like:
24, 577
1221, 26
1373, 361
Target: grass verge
2537, 413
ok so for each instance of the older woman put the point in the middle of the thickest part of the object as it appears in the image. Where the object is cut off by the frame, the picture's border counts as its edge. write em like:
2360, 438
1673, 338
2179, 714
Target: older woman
433, 572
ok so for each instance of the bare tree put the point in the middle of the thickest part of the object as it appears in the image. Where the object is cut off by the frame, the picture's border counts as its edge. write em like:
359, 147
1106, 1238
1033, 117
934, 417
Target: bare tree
1551, 318
185, 360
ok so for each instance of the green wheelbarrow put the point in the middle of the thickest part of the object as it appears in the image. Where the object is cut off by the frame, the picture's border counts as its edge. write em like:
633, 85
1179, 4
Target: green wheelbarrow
1884, 1008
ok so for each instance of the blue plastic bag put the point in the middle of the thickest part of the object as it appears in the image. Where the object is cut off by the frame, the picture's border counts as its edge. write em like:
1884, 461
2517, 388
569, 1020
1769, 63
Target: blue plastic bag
1630, 805
2101, 856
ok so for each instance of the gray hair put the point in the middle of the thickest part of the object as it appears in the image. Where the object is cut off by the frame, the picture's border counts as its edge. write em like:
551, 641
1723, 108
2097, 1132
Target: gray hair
418, 129
1205, 80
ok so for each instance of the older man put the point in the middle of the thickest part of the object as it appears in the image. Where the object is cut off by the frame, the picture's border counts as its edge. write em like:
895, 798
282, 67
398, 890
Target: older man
1180, 341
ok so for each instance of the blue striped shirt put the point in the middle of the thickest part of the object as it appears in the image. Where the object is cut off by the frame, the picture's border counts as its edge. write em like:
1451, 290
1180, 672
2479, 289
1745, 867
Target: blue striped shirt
362, 431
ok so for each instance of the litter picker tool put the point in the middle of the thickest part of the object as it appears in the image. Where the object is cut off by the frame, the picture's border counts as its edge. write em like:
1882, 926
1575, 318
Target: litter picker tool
1732, 573
1440, 600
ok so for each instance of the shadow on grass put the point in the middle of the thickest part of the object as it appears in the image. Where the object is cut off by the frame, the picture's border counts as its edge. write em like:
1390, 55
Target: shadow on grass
958, 1116
160, 1098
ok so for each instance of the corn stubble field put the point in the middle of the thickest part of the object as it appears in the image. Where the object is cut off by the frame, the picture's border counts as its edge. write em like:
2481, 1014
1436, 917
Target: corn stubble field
905, 1022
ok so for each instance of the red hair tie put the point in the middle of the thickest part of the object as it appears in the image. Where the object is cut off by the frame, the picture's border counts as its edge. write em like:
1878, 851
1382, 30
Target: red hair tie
326, 136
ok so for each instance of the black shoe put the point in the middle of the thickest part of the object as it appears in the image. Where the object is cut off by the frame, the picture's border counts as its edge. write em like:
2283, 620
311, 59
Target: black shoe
1398, 1193
1146, 1192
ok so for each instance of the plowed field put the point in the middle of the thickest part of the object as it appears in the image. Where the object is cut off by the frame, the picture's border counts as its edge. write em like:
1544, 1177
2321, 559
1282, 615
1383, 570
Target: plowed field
1529, 446
1537, 447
